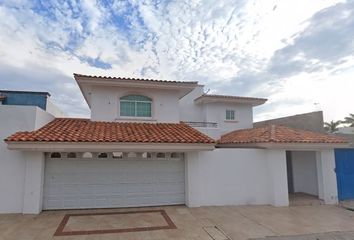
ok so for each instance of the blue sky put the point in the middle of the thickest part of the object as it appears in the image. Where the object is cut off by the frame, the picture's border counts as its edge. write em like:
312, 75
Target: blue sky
298, 54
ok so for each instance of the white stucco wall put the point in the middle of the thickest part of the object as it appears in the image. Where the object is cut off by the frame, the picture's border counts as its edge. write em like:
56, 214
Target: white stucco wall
216, 112
304, 172
13, 163
326, 175
236, 177
33, 185
105, 104
54, 109
188, 110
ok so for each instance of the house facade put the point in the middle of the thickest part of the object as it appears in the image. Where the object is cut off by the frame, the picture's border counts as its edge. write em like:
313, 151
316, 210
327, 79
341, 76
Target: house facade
155, 142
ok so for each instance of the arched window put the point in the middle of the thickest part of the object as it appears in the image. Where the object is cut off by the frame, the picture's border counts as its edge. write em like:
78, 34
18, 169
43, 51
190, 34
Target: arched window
161, 155
131, 155
146, 155
135, 106
71, 155
103, 155
87, 155
55, 155
117, 155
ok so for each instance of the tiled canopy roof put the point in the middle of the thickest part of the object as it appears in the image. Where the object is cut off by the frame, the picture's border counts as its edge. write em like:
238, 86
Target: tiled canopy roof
76, 75
277, 134
84, 130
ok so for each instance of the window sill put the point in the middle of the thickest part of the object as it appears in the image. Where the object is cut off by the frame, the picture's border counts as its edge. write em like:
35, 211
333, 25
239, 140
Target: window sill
231, 121
135, 119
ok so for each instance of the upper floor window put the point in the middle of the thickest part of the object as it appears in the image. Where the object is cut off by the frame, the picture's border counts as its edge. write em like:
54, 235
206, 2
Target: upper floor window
230, 115
135, 106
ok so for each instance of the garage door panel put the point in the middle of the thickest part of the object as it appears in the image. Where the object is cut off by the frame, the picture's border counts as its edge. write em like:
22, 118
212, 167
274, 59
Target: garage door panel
163, 199
86, 202
52, 189
87, 189
139, 177
169, 176
140, 188
97, 183
52, 203
169, 188
139, 199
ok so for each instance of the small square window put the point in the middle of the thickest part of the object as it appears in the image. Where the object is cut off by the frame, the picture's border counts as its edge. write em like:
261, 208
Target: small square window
230, 115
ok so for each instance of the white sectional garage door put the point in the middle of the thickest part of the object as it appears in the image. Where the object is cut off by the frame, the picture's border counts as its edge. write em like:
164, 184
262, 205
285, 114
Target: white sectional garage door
107, 183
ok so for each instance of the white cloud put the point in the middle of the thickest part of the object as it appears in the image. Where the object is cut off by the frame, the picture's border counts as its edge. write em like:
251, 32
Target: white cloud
235, 47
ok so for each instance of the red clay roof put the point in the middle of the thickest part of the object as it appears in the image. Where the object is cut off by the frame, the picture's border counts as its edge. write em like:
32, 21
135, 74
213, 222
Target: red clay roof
84, 130
277, 134
134, 79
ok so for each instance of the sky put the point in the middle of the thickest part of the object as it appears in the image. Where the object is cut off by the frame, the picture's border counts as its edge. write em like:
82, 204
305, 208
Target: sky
297, 54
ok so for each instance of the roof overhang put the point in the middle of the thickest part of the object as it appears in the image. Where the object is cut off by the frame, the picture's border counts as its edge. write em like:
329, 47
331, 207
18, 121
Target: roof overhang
204, 99
286, 146
97, 147
183, 88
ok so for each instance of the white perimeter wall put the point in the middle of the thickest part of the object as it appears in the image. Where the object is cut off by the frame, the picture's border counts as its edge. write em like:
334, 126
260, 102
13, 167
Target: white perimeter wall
236, 177
304, 172
326, 175
14, 172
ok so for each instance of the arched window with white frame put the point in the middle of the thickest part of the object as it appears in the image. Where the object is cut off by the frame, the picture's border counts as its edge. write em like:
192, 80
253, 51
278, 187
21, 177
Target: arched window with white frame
135, 106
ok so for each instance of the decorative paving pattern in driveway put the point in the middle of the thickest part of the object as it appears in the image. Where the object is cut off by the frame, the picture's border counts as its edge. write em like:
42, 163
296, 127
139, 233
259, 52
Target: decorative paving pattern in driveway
322, 222
114, 222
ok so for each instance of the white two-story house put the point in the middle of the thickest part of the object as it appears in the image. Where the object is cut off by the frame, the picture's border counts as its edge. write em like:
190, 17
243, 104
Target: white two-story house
154, 142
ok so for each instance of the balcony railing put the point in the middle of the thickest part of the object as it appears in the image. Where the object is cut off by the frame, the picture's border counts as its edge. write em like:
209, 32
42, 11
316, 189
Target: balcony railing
203, 124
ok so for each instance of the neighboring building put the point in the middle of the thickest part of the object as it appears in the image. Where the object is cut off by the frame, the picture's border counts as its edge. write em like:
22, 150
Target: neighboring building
20, 111
30, 98
312, 121
155, 142
346, 130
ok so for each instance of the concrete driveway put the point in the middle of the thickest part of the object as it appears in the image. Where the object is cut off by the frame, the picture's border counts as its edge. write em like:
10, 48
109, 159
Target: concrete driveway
178, 222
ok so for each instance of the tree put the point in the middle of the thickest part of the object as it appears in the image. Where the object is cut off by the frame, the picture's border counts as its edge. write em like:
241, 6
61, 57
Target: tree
332, 126
349, 120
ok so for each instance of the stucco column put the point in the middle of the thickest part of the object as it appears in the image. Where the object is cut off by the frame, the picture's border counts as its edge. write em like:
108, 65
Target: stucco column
279, 179
327, 180
34, 175
192, 179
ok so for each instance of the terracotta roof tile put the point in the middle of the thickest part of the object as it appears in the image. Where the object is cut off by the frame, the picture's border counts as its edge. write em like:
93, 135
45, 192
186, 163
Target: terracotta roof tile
134, 79
277, 134
84, 130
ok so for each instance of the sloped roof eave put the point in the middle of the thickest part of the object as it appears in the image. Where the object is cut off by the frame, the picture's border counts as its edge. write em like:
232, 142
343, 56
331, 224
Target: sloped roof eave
278, 135
103, 146
70, 130
284, 146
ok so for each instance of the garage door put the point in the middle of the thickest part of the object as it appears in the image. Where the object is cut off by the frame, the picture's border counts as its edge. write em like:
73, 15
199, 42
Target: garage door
105, 183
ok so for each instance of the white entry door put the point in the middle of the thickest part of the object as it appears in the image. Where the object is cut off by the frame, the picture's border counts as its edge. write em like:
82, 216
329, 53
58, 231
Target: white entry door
107, 183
